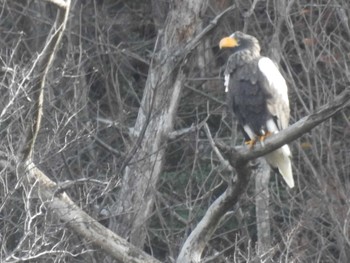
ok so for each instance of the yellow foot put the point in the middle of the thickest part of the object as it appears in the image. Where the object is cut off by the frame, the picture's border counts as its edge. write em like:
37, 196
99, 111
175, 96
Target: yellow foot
250, 143
263, 137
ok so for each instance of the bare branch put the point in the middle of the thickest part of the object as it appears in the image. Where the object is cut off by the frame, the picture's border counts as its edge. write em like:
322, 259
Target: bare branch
46, 58
181, 53
196, 242
51, 194
194, 245
177, 133
297, 129
81, 222
223, 161
251, 9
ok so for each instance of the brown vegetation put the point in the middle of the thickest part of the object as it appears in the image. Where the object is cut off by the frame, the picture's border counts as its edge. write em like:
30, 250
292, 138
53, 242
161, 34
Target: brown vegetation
125, 166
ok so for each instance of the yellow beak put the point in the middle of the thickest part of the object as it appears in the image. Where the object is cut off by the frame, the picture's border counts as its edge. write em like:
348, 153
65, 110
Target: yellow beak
228, 42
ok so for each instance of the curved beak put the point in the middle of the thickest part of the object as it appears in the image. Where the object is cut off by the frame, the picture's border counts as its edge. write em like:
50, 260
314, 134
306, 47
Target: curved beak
228, 42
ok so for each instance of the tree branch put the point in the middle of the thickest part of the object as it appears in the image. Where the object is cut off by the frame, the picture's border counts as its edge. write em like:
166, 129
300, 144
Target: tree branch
239, 159
181, 53
222, 160
46, 58
56, 200
81, 223
294, 131
48, 191
193, 248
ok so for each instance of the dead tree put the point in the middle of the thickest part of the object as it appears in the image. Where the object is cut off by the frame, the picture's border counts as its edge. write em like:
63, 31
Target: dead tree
151, 130
155, 120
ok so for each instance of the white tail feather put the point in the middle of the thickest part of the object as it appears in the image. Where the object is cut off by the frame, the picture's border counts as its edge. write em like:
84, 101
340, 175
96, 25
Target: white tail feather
280, 159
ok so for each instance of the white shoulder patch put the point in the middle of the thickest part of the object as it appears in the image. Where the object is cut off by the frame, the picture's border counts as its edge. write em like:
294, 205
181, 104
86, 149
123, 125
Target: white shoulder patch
227, 80
274, 77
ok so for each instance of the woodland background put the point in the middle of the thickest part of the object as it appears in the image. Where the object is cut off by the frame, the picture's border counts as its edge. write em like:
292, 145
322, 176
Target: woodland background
97, 130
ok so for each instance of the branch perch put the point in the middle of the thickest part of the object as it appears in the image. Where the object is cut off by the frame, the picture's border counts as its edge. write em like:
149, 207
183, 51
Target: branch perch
239, 159
293, 132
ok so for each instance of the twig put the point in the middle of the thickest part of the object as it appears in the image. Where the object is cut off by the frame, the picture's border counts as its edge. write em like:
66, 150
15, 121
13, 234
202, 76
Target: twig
177, 133
63, 186
108, 147
251, 9
181, 53
46, 58
205, 94
222, 160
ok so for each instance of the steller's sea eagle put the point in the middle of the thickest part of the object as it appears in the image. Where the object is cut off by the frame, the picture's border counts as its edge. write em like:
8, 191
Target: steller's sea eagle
257, 93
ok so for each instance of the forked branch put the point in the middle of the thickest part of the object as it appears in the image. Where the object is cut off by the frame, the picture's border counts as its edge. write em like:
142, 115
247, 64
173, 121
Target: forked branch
239, 159
56, 201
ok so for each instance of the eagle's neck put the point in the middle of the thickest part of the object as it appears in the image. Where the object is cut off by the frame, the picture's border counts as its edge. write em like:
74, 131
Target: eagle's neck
248, 52
249, 49
242, 57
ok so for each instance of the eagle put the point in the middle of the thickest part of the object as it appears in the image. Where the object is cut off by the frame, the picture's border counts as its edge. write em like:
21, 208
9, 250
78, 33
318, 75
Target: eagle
257, 94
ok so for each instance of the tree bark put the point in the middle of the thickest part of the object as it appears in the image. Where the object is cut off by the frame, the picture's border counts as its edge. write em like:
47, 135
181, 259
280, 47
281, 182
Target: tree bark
80, 222
155, 121
262, 198
192, 250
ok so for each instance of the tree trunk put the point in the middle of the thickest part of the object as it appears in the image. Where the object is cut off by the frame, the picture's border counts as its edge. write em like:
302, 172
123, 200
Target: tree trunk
262, 198
154, 122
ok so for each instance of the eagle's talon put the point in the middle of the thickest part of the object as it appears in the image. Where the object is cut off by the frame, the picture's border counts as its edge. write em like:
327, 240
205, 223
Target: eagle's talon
262, 138
250, 143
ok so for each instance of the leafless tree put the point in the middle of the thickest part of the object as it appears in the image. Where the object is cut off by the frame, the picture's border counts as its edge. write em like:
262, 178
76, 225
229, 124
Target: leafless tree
116, 145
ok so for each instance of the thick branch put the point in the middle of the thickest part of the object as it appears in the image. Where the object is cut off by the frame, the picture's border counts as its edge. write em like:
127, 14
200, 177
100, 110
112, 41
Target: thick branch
239, 159
48, 192
81, 223
292, 132
155, 120
193, 248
